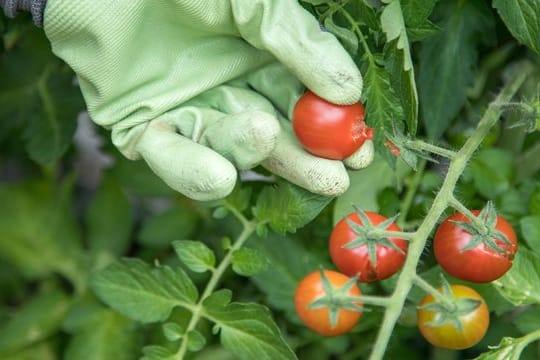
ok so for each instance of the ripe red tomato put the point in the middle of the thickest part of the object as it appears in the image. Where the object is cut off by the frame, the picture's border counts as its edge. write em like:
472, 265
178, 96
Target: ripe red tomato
310, 289
355, 261
328, 130
479, 264
474, 324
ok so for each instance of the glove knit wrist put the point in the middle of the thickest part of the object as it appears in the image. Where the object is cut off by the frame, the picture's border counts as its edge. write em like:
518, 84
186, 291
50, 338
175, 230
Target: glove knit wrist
35, 7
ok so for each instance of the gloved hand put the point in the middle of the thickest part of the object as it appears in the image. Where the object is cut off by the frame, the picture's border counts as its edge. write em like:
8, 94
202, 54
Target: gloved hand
199, 89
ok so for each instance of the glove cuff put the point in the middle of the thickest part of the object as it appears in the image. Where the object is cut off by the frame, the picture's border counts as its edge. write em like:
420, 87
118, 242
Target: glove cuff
35, 7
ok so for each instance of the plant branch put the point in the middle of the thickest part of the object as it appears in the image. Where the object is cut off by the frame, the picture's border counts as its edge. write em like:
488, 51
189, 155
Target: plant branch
434, 149
407, 202
439, 205
198, 310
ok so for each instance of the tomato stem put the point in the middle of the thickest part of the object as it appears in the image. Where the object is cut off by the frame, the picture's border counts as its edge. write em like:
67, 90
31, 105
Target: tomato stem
442, 200
458, 205
438, 295
434, 149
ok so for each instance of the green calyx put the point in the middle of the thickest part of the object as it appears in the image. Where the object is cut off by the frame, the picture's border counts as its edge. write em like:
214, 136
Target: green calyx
483, 230
451, 310
336, 299
371, 235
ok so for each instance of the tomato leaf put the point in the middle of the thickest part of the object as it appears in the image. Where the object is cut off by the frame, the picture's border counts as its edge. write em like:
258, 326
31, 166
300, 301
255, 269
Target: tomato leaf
141, 292
249, 331
109, 231
345, 36
522, 17
108, 336
248, 261
155, 352
158, 231
398, 61
444, 77
195, 255
288, 207
521, 284
508, 348
530, 229
34, 321
492, 171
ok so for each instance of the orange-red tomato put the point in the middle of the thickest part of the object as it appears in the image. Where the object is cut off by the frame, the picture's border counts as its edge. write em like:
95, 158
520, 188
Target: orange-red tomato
474, 324
310, 289
328, 130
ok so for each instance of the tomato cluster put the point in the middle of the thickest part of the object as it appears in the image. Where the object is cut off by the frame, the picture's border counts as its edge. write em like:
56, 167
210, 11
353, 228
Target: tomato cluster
329, 130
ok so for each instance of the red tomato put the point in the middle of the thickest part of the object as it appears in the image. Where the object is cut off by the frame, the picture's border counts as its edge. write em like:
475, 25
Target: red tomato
474, 324
356, 261
328, 130
310, 289
479, 264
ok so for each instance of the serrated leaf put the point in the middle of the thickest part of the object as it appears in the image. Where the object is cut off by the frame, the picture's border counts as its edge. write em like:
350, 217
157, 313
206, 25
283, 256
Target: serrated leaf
288, 207
109, 336
249, 331
508, 349
521, 284
422, 32
444, 77
416, 12
141, 292
382, 105
109, 230
160, 230
403, 81
41, 317
522, 17
248, 261
195, 255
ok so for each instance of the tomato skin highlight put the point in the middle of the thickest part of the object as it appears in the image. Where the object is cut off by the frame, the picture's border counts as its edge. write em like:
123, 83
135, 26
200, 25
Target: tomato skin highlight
480, 264
309, 289
356, 261
329, 130
475, 323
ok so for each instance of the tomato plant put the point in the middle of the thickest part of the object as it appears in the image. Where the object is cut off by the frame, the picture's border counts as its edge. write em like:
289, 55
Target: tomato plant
474, 253
460, 325
322, 302
357, 250
328, 130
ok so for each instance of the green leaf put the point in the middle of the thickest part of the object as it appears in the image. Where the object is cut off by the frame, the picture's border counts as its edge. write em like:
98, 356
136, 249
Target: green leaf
248, 261
36, 320
399, 63
195, 255
289, 262
423, 31
521, 284
218, 299
195, 341
444, 77
173, 331
492, 170
249, 331
417, 12
382, 106
534, 202
522, 17
109, 336
141, 292
530, 229
160, 230
109, 219
288, 207
347, 38
508, 348
155, 352
38, 232
42, 97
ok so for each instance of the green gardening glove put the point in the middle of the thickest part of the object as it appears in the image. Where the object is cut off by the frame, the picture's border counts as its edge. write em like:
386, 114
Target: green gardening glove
200, 89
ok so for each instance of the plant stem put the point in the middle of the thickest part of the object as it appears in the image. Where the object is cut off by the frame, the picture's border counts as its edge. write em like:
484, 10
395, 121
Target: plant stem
440, 203
424, 285
525, 340
458, 205
198, 310
434, 149
370, 300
